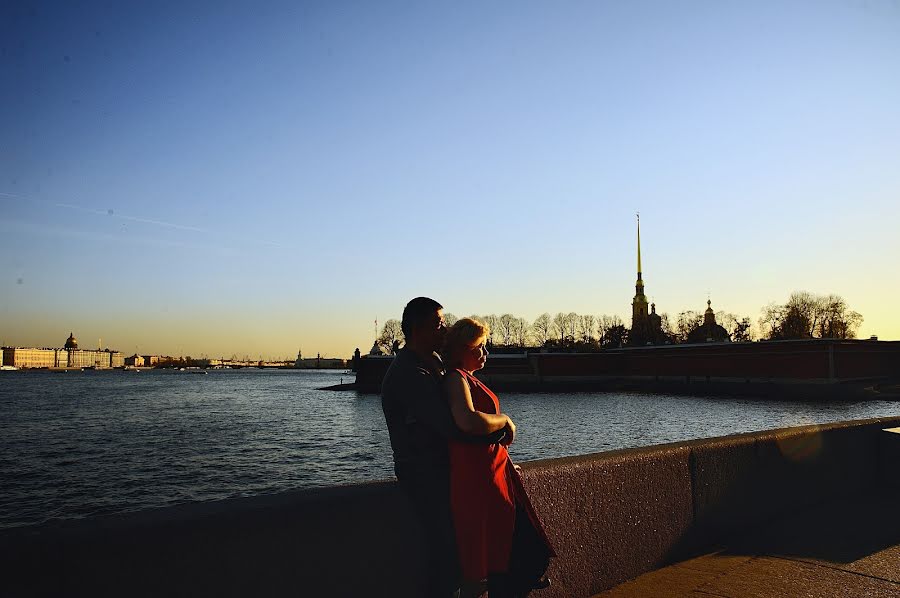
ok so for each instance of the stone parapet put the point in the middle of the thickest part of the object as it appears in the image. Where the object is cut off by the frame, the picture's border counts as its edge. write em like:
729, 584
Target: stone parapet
611, 516
889, 457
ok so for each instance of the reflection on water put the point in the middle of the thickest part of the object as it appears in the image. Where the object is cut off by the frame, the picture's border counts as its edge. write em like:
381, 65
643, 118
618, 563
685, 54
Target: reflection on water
78, 444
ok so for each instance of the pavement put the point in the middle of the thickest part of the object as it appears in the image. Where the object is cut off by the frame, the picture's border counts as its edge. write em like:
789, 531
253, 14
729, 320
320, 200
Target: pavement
844, 548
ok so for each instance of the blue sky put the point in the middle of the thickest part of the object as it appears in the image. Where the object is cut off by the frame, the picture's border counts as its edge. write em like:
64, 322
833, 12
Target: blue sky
179, 178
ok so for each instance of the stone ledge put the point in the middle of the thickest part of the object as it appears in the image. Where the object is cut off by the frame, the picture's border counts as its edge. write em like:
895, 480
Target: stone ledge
611, 516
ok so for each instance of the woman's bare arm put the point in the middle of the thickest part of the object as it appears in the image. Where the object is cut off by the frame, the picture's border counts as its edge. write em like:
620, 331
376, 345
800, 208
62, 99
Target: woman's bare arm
467, 419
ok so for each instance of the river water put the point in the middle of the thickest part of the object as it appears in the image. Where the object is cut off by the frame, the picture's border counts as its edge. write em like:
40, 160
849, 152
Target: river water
78, 444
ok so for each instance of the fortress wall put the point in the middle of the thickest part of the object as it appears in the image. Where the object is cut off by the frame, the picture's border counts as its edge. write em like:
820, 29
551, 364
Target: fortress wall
733, 361
786, 363
801, 362
866, 359
606, 363
793, 361
611, 517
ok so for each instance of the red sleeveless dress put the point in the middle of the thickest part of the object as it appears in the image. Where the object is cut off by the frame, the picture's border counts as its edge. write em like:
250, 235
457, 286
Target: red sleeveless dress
484, 491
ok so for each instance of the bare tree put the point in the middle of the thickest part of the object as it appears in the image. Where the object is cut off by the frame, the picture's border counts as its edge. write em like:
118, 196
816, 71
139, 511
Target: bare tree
665, 326
493, 322
560, 321
737, 328
838, 321
542, 329
727, 320
772, 315
604, 325
449, 319
688, 321
849, 326
572, 326
741, 332
586, 328
806, 315
391, 333
520, 332
506, 323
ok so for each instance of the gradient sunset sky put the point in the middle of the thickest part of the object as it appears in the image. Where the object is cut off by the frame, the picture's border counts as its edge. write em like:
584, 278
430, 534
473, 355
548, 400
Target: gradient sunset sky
254, 178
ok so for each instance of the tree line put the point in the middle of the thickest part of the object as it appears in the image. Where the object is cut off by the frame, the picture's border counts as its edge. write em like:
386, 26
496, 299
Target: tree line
804, 315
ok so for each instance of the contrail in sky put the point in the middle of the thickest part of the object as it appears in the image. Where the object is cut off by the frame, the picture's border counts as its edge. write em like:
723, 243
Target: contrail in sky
162, 223
132, 218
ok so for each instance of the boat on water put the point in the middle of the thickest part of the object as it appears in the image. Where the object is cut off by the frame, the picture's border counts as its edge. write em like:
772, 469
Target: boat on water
192, 370
66, 369
8, 368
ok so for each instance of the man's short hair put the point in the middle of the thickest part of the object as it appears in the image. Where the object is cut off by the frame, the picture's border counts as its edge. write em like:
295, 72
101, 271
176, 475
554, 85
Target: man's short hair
416, 312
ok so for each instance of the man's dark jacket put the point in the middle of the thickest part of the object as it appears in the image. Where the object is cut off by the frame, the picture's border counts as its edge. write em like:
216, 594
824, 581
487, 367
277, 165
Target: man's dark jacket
418, 417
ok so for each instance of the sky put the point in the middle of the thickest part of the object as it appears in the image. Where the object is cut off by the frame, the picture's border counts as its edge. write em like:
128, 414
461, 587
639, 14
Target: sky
243, 179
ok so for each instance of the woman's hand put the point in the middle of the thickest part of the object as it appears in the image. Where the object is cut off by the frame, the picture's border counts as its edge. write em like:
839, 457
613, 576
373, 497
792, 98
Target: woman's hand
510, 432
466, 418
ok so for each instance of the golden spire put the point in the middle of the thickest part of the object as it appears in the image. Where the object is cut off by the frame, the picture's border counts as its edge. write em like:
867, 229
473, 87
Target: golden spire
639, 243
639, 304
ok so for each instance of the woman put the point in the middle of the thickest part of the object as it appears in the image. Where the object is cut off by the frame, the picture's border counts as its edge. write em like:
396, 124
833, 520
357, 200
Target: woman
497, 531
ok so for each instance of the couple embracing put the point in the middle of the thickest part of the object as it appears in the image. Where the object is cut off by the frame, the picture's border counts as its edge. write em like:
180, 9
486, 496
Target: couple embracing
449, 439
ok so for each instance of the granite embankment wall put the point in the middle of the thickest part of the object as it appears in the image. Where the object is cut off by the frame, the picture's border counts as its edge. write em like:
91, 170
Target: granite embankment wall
762, 368
611, 517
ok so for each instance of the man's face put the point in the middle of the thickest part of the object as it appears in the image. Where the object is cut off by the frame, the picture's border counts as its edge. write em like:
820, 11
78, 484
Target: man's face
432, 331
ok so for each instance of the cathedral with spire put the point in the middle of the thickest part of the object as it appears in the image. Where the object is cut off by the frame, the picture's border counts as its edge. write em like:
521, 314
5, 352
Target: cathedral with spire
646, 326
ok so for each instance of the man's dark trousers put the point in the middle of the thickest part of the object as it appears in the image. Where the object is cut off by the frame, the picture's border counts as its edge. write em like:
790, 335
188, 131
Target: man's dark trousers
429, 494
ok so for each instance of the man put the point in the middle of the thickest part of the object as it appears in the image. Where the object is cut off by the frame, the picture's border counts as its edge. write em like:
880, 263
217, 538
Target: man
420, 424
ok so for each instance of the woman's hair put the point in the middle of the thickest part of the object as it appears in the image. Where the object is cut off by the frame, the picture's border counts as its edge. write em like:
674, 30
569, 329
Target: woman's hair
464, 334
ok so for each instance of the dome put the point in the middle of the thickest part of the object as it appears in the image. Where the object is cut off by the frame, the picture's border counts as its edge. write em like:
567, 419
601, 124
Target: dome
710, 330
71, 342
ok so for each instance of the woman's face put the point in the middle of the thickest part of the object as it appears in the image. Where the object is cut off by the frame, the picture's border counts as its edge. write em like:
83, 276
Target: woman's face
473, 358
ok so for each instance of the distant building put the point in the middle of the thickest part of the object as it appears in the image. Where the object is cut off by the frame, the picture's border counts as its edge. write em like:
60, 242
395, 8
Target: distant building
71, 342
151, 360
320, 363
69, 356
206, 362
134, 361
710, 331
26, 357
646, 328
